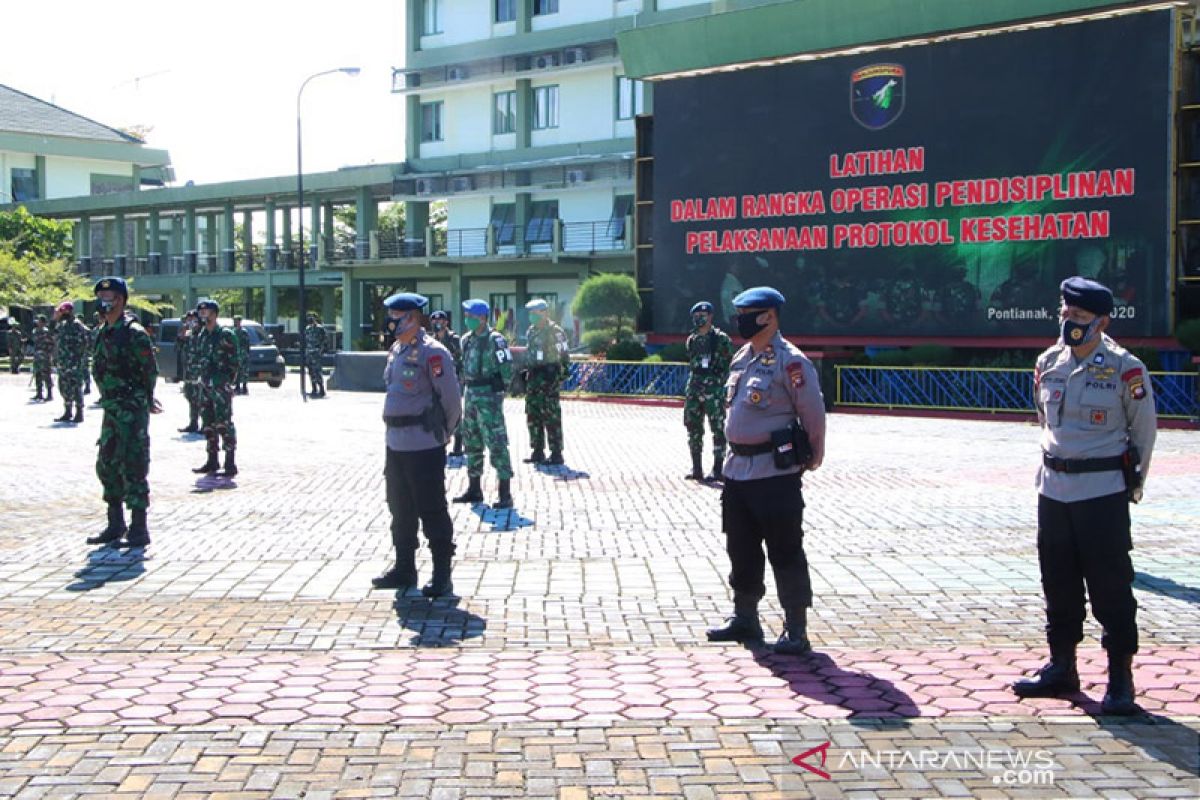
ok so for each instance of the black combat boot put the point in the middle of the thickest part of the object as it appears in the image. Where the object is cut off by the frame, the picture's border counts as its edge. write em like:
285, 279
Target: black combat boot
743, 626
1056, 678
556, 459
794, 641
697, 473
66, 417
230, 465
139, 535
536, 457
457, 451
402, 575
439, 585
78, 414
116, 527
1119, 697
473, 494
718, 462
505, 500
191, 428
210, 466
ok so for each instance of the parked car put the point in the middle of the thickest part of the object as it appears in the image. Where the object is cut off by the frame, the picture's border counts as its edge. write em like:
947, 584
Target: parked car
264, 362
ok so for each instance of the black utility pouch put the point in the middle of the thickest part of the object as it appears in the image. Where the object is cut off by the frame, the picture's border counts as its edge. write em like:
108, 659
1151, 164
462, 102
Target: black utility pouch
783, 448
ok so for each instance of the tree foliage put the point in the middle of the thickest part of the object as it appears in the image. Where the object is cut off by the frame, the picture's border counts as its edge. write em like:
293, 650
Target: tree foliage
610, 301
29, 281
27, 235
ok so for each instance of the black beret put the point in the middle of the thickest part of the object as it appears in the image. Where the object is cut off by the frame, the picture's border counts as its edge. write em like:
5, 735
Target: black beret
1087, 294
114, 284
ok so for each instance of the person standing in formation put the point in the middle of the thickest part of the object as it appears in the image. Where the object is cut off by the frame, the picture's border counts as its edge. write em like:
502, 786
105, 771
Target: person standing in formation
710, 351
218, 375
547, 364
487, 371
71, 341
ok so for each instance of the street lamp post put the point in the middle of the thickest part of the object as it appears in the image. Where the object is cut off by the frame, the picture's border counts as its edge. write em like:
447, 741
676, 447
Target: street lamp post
351, 71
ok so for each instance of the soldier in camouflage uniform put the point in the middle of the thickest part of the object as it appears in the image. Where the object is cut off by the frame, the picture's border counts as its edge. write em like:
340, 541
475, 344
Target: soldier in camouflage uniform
439, 321
218, 373
487, 370
126, 374
71, 341
43, 358
958, 298
16, 346
710, 351
188, 344
243, 355
314, 348
904, 299
547, 363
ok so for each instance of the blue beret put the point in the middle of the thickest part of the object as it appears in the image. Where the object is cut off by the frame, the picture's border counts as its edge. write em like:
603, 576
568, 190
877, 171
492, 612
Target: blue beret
209, 304
405, 301
703, 305
439, 314
112, 284
759, 297
1088, 295
537, 304
477, 307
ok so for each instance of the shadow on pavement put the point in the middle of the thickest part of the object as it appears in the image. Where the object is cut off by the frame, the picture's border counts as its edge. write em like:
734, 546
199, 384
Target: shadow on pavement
210, 483
109, 565
1160, 738
436, 623
501, 519
1166, 587
561, 472
867, 697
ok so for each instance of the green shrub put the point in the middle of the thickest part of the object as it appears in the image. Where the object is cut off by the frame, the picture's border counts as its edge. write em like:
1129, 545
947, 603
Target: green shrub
932, 355
675, 351
892, 358
627, 350
653, 359
597, 341
1187, 333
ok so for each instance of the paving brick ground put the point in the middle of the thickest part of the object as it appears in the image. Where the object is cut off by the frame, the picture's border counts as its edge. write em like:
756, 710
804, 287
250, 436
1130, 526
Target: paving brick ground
244, 655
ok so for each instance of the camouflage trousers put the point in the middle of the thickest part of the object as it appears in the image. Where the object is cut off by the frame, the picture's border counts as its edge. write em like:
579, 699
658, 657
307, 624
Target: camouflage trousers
193, 393
543, 412
70, 387
313, 365
43, 374
123, 459
704, 402
216, 417
483, 426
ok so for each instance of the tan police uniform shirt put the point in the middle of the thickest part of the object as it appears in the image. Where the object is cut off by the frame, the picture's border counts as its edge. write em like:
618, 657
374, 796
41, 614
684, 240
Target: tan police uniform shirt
413, 372
764, 392
1094, 408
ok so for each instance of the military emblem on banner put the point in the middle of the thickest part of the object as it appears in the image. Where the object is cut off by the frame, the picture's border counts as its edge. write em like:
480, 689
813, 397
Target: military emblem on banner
877, 95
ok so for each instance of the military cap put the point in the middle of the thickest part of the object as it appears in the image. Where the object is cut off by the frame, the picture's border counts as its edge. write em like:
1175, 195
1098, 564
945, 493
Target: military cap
191, 312
477, 307
703, 305
66, 307
112, 283
439, 314
1088, 295
41, 317
537, 304
237, 317
759, 297
210, 304
405, 301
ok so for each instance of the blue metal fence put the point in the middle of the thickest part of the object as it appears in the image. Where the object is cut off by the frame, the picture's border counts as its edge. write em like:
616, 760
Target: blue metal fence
987, 390
628, 378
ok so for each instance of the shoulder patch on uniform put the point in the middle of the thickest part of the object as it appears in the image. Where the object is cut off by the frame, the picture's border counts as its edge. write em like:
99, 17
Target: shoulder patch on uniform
1137, 387
1129, 374
435, 366
500, 340
795, 372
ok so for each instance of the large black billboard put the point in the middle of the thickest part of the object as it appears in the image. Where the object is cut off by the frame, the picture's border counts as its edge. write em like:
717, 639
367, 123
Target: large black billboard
936, 189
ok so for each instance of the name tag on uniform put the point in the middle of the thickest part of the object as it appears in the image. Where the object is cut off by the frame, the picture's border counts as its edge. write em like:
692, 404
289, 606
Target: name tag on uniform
704, 362
541, 356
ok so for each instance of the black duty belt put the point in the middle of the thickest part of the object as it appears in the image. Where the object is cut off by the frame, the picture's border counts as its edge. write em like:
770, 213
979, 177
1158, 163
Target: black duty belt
403, 420
1083, 464
750, 449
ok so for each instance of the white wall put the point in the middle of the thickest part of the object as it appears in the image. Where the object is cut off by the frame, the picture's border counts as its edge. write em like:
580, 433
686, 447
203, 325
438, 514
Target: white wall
588, 205
462, 21
471, 211
466, 122
573, 12
71, 177
586, 107
664, 5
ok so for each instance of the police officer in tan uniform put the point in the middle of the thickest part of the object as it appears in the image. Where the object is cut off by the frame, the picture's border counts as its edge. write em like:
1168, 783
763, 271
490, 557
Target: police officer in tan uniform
775, 428
422, 409
1096, 409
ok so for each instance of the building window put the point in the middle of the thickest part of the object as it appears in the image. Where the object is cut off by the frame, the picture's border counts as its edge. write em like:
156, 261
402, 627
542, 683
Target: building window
431, 122
432, 18
542, 215
506, 10
504, 222
629, 98
545, 107
436, 303
545, 7
24, 184
622, 208
505, 118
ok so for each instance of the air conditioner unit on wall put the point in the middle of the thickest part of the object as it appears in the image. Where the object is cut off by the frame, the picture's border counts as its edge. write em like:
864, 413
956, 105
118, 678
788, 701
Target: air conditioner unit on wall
462, 183
545, 61
456, 73
576, 55
575, 176
426, 186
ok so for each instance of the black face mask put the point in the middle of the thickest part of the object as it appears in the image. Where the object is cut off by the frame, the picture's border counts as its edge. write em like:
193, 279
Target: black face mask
1074, 333
748, 324
699, 320
105, 306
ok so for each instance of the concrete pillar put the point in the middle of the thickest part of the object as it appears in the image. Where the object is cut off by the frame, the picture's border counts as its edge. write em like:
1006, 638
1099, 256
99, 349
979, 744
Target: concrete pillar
210, 241
270, 301
83, 243
227, 237
457, 296
524, 207
120, 256
154, 257
314, 233
524, 15
327, 230
416, 220
352, 315
271, 248
190, 244
140, 262
365, 209
289, 261
524, 114
328, 308
248, 240
521, 323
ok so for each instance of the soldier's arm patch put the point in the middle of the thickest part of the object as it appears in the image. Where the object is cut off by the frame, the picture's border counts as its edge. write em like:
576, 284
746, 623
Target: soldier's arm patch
1137, 388
435, 366
795, 372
